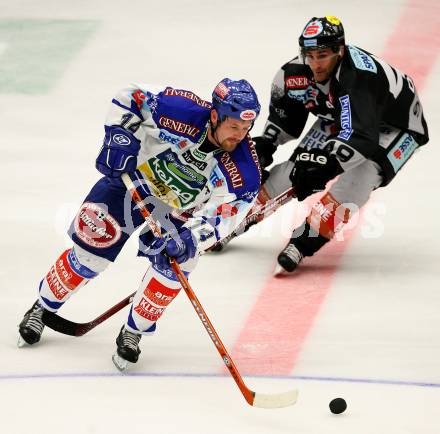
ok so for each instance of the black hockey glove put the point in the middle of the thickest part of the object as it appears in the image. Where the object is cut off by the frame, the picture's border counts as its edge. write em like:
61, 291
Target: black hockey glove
265, 150
312, 170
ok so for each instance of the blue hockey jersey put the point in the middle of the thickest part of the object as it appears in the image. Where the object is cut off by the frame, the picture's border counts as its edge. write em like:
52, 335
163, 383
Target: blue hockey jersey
213, 188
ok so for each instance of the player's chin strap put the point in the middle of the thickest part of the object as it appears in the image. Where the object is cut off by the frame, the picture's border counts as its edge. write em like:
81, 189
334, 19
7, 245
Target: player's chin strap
252, 398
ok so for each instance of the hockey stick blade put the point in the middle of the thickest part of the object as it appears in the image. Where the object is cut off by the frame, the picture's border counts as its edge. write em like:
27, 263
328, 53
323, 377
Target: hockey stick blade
67, 327
277, 400
63, 325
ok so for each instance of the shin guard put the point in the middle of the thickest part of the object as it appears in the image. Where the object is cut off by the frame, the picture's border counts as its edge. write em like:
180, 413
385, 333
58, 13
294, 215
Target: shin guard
64, 278
155, 293
328, 216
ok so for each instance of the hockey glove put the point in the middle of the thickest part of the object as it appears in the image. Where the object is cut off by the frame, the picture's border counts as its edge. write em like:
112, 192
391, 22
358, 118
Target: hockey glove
312, 170
118, 153
182, 248
265, 150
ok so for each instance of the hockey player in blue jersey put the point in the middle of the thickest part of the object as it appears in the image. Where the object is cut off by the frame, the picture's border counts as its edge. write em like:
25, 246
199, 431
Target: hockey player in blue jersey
196, 169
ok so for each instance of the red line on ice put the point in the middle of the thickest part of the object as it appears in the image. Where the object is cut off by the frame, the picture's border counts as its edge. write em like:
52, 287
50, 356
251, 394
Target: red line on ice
286, 308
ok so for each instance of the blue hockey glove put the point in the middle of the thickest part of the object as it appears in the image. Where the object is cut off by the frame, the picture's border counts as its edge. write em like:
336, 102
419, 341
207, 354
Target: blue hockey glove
118, 153
182, 247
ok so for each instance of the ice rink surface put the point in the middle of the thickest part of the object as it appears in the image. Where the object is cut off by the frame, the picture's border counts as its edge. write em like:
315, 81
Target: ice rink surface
368, 328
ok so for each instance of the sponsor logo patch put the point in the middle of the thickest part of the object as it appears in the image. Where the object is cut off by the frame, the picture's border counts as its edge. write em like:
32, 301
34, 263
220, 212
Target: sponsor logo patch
55, 285
297, 82
346, 130
216, 179
401, 151
121, 139
309, 96
179, 127
171, 138
189, 158
157, 298
226, 210
62, 278
95, 227
310, 42
334, 20
78, 267
169, 91
221, 90
313, 29
232, 170
248, 115
139, 98
362, 60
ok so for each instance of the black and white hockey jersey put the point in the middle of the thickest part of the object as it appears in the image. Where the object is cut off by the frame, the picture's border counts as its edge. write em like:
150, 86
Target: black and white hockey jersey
363, 96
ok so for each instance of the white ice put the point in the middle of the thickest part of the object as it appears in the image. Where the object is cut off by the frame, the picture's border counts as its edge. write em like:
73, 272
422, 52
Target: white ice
376, 340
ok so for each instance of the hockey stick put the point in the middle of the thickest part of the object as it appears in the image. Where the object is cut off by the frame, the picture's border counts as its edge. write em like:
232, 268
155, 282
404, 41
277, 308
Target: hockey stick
63, 325
255, 215
252, 398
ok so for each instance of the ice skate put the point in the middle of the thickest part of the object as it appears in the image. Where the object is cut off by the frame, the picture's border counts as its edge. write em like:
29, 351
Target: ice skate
127, 349
288, 259
31, 326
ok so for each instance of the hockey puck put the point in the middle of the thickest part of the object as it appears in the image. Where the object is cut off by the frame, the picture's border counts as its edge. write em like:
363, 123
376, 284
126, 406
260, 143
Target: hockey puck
338, 405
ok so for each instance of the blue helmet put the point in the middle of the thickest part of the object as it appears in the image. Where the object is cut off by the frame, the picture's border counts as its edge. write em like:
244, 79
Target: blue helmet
236, 99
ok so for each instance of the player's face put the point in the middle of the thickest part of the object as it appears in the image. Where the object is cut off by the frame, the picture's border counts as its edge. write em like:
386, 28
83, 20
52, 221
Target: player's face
231, 132
322, 62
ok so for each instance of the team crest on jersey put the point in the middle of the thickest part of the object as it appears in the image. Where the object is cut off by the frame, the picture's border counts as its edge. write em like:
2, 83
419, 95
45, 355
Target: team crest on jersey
96, 227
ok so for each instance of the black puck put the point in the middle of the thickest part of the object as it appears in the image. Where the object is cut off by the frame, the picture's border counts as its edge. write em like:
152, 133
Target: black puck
337, 405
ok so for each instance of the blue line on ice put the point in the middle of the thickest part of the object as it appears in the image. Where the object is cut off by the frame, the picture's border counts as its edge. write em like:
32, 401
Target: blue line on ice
66, 375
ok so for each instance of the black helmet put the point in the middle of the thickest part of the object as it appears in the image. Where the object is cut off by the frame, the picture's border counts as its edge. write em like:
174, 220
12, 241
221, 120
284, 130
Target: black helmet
326, 32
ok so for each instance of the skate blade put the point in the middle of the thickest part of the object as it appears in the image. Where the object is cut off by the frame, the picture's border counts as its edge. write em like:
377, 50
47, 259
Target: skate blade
281, 272
120, 363
21, 342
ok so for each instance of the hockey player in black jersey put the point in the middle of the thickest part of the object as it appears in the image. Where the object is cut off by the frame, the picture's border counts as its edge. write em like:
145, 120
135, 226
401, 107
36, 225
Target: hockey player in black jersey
369, 123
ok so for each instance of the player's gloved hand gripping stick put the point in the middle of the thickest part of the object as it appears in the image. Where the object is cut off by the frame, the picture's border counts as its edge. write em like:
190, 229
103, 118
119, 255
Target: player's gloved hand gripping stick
252, 398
